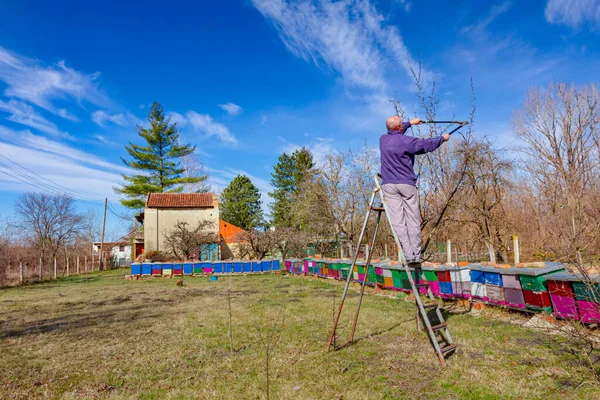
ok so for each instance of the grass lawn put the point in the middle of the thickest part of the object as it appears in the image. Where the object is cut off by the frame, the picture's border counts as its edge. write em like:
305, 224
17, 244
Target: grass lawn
105, 337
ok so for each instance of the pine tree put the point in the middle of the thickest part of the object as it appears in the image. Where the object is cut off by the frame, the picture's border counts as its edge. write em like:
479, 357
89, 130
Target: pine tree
240, 204
288, 173
158, 162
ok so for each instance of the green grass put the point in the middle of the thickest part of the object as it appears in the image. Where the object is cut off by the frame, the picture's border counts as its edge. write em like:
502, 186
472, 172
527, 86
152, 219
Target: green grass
105, 337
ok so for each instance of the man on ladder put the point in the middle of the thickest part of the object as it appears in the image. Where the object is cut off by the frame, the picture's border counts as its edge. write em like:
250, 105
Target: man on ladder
399, 182
400, 202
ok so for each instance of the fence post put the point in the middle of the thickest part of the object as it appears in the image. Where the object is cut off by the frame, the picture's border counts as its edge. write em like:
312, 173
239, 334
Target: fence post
449, 251
78, 264
54, 267
516, 249
85, 264
40, 268
92, 262
67, 266
21, 272
385, 248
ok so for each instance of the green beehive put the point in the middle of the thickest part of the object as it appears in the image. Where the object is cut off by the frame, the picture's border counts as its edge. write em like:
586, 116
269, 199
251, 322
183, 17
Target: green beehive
430, 276
397, 279
534, 279
586, 293
372, 278
534, 283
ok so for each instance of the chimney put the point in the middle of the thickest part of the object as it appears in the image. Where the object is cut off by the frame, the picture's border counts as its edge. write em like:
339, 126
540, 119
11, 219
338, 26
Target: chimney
215, 200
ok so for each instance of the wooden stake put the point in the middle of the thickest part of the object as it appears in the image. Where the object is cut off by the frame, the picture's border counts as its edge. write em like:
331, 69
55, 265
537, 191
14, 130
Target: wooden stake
21, 272
78, 265
449, 251
67, 266
516, 249
55, 267
101, 265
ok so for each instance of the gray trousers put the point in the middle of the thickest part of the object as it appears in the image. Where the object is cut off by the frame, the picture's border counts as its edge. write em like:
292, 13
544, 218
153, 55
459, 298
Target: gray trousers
403, 206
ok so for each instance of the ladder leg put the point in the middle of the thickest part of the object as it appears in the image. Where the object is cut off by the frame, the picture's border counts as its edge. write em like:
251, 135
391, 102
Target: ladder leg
421, 315
362, 284
362, 234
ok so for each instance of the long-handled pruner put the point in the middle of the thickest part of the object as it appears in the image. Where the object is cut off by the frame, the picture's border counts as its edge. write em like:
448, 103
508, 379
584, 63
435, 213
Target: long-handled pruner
460, 124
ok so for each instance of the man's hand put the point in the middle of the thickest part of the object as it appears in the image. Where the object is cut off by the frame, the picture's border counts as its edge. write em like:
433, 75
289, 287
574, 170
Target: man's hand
415, 121
446, 137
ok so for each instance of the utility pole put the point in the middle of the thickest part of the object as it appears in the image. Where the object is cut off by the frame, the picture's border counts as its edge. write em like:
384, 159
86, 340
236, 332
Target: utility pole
101, 267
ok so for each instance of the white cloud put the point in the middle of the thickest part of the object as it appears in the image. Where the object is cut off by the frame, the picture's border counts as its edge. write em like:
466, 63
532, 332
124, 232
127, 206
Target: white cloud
347, 36
205, 123
42, 85
64, 113
263, 119
231, 109
78, 171
100, 117
24, 114
406, 4
494, 13
66, 152
105, 140
573, 13
319, 147
178, 118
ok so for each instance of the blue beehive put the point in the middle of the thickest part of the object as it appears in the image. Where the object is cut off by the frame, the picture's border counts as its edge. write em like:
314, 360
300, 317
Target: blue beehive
218, 267
247, 266
445, 287
265, 265
492, 278
136, 269
276, 265
238, 267
256, 266
188, 268
477, 276
228, 267
147, 269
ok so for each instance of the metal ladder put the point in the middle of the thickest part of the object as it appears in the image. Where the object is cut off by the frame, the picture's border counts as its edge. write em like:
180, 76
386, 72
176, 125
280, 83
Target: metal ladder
439, 335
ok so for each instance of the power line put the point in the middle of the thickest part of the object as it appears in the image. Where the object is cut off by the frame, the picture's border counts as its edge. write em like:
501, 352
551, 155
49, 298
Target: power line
52, 186
72, 192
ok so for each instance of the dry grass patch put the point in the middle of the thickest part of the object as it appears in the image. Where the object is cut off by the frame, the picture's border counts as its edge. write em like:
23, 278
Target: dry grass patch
105, 337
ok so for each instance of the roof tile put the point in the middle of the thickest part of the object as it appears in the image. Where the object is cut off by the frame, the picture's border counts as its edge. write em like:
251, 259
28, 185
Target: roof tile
180, 200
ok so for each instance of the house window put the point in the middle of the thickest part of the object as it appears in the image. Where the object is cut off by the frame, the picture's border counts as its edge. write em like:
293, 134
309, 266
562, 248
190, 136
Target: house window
121, 248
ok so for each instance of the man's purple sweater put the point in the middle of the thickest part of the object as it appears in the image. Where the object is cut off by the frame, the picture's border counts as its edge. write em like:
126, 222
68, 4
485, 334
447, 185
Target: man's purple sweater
398, 155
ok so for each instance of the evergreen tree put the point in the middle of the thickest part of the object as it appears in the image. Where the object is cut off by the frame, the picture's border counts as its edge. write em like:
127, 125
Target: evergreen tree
288, 173
240, 204
158, 161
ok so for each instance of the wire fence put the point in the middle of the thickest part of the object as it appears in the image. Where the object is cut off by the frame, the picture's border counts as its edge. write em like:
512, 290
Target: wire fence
30, 269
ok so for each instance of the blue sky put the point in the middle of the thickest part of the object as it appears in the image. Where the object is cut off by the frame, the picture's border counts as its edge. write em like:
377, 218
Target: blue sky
249, 79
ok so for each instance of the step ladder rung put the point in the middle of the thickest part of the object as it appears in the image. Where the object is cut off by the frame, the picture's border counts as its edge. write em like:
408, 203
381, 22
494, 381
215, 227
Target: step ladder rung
422, 284
381, 209
448, 349
439, 327
431, 305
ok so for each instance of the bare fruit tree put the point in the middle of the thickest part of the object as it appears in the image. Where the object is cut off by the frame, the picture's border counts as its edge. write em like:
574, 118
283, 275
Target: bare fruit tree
559, 127
48, 222
194, 168
185, 241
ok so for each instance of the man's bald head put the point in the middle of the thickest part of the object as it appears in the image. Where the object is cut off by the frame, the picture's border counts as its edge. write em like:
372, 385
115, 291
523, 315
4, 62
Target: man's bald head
392, 123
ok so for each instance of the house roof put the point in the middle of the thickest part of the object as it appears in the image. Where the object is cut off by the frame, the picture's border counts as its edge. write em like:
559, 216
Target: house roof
180, 200
230, 233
